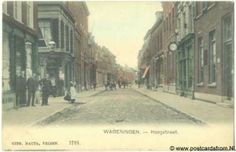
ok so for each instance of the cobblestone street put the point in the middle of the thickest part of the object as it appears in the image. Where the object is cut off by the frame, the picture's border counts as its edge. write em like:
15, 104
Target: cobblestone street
122, 106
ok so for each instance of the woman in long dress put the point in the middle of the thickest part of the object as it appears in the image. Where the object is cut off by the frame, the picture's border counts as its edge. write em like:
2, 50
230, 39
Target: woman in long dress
72, 92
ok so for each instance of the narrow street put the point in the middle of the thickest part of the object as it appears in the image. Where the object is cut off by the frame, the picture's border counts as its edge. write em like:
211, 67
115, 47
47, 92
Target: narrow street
122, 106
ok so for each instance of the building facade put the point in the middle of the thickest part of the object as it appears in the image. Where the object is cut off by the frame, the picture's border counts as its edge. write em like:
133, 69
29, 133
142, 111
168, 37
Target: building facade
56, 43
185, 52
105, 66
150, 57
169, 36
80, 13
19, 48
214, 51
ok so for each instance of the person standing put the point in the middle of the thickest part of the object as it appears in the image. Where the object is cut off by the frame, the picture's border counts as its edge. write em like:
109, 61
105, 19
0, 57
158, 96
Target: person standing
32, 85
46, 89
20, 89
72, 92
94, 85
53, 91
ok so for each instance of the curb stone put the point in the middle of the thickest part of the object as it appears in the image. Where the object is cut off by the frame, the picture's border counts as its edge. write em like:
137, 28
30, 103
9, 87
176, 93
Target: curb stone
41, 120
197, 121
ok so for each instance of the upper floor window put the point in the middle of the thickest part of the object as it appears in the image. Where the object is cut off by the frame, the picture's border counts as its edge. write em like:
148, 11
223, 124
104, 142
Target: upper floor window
45, 32
228, 28
210, 3
212, 57
30, 13
17, 9
4, 7
198, 8
200, 60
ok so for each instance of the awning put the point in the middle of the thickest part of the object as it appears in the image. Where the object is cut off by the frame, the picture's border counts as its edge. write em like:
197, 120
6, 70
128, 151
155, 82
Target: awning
145, 72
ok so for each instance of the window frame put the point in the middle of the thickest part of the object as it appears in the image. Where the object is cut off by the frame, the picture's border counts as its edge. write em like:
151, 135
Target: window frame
212, 58
17, 10
200, 60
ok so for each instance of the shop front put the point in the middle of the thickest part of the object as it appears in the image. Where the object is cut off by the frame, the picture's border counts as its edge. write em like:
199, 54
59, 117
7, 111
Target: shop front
185, 67
19, 57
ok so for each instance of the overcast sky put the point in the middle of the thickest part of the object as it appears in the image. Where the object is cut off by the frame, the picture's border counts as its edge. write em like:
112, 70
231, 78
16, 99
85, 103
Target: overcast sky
121, 26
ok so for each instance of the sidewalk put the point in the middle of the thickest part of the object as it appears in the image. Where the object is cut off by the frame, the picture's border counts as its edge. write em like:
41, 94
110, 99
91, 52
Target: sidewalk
26, 116
207, 112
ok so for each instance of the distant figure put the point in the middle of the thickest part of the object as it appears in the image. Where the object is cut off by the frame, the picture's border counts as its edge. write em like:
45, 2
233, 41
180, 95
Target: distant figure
114, 85
60, 87
119, 83
20, 89
46, 89
38, 92
94, 85
32, 85
123, 82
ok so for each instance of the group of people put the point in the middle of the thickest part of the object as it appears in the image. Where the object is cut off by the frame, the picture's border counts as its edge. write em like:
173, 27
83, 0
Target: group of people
38, 90
32, 86
111, 85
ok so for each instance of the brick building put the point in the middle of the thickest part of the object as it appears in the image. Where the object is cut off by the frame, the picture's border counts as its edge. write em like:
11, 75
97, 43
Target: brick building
185, 52
80, 13
106, 66
169, 36
56, 43
214, 51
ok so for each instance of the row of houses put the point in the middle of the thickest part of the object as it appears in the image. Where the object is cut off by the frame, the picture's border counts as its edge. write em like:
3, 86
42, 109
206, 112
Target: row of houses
189, 51
52, 38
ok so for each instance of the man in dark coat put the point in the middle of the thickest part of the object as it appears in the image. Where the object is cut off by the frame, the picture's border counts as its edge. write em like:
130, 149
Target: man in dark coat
46, 88
32, 85
20, 89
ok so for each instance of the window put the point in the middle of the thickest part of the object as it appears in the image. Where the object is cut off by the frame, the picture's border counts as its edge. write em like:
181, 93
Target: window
67, 38
200, 60
210, 3
190, 21
62, 34
17, 5
45, 31
55, 31
212, 57
4, 7
204, 5
228, 64
228, 29
173, 19
169, 22
29, 14
198, 8
184, 24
